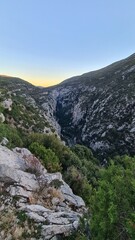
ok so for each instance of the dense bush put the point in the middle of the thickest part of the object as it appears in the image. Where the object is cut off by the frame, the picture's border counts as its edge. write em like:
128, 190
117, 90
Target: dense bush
78, 183
113, 202
1, 108
89, 164
48, 141
11, 134
78, 164
84, 153
48, 157
108, 192
68, 158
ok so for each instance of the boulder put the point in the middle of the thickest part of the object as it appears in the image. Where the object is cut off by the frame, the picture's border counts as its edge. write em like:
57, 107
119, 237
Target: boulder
71, 198
55, 208
2, 118
7, 104
4, 141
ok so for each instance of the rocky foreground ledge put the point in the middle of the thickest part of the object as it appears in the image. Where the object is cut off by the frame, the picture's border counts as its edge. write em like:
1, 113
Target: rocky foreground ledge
34, 204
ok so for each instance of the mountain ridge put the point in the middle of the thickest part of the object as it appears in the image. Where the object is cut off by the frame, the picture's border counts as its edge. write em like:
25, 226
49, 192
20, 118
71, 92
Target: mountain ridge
131, 57
95, 109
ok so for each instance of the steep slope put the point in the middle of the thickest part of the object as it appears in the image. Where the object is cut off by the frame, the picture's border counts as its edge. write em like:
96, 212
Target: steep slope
97, 108
20, 108
30, 205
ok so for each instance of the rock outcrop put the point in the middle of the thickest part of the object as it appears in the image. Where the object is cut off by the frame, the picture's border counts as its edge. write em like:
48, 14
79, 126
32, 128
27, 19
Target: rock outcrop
7, 104
33, 203
2, 118
97, 109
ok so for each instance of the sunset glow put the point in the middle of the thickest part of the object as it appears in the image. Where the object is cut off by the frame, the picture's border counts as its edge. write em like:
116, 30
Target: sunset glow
46, 42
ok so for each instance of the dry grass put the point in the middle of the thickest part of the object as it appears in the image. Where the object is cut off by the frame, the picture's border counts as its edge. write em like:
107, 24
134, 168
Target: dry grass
45, 195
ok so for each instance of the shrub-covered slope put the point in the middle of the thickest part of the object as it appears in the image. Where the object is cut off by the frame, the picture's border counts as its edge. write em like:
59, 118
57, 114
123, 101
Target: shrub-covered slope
84, 110
19, 107
95, 109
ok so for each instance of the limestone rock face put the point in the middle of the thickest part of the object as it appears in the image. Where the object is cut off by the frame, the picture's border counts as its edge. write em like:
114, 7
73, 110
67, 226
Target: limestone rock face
96, 109
7, 104
2, 118
27, 192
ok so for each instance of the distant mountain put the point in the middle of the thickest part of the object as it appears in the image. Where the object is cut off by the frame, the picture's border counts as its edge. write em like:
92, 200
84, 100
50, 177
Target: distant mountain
96, 109
24, 112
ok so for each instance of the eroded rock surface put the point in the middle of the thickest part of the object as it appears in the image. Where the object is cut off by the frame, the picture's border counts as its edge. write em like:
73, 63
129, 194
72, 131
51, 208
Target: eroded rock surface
31, 202
97, 109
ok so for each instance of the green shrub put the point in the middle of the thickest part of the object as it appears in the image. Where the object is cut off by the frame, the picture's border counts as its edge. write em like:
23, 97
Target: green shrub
48, 157
1, 108
68, 158
83, 152
11, 134
112, 203
78, 183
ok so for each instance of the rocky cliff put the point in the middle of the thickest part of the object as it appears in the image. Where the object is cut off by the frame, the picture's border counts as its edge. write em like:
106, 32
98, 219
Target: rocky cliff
34, 204
95, 109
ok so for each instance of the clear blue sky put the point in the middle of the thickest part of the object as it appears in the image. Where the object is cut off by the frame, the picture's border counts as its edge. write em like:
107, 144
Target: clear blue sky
47, 41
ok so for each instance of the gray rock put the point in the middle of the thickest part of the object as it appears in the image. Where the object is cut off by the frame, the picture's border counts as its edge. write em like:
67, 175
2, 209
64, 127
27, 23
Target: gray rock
55, 201
58, 221
62, 218
10, 159
24, 179
19, 191
76, 225
48, 178
79, 201
30, 160
70, 197
4, 141
17, 181
7, 104
2, 118
2, 207
36, 217
22, 151
48, 231
54, 238
36, 208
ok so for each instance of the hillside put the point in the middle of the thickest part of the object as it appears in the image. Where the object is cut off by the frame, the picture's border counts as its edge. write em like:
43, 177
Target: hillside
19, 107
97, 109
45, 184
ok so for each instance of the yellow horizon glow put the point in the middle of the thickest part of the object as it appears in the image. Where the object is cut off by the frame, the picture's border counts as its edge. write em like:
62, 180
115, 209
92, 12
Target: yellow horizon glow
37, 81
43, 82
38, 78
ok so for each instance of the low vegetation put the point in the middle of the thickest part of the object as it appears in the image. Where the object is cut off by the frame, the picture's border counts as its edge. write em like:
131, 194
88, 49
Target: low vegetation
108, 191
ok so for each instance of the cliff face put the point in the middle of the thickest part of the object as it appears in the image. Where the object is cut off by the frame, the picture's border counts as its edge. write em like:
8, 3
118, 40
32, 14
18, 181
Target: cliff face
98, 109
33, 203
95, 109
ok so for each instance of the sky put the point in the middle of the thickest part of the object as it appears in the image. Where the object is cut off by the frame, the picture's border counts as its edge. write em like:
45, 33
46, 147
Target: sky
47, 41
